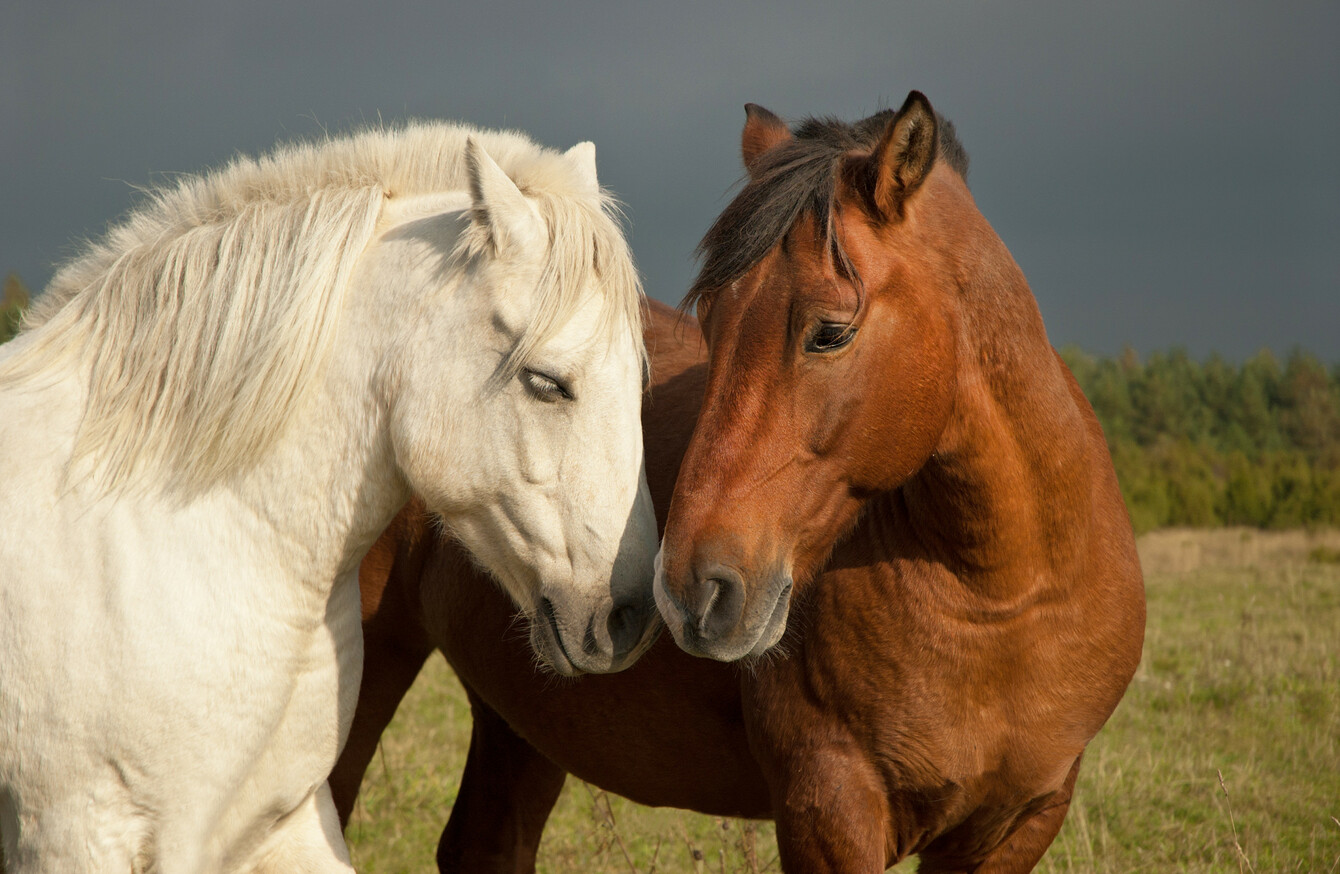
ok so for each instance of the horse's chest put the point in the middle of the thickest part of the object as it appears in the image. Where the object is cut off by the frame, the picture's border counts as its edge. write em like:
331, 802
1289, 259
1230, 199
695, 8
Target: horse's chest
951, 724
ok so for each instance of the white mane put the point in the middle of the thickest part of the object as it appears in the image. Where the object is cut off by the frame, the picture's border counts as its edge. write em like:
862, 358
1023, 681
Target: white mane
205, 315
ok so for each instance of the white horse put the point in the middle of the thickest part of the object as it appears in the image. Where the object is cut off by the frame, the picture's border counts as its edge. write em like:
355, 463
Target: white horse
212, 415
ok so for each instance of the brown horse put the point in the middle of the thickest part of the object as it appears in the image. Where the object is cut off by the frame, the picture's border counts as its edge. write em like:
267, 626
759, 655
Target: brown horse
892, 476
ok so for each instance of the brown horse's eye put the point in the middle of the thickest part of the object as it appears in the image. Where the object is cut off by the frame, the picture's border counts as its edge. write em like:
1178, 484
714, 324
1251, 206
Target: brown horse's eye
829, 337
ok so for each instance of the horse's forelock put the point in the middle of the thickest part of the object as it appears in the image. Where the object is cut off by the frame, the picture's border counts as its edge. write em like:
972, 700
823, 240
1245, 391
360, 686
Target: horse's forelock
587, 250
796, 178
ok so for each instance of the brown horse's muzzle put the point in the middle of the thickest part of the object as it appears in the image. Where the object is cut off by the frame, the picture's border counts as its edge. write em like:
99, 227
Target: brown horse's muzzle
714, 611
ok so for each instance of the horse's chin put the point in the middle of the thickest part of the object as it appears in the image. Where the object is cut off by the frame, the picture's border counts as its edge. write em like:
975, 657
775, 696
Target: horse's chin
776, 626
649, 638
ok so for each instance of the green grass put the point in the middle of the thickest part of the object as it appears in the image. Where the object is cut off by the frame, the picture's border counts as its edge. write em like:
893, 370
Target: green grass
1241, 676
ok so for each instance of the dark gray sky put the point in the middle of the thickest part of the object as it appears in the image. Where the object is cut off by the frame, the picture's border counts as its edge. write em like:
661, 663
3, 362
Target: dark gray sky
1165, 172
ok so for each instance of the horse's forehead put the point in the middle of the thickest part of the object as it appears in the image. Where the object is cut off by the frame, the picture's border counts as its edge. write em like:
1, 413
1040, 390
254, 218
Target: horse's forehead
592, 335
589, 330
746, 299
798, 272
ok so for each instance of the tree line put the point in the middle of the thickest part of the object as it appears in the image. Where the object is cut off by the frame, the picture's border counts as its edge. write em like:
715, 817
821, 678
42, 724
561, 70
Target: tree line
1195, 443
1215, 443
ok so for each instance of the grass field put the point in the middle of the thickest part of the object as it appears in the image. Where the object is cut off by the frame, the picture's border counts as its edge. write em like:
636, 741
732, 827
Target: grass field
1224, 755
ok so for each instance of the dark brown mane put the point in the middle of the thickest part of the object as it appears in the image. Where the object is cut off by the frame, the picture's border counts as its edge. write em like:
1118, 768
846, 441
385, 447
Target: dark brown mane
793, 179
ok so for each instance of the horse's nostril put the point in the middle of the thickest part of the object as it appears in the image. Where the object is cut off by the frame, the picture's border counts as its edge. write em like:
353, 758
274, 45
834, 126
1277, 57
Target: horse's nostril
718, 603
626, 625
708, 591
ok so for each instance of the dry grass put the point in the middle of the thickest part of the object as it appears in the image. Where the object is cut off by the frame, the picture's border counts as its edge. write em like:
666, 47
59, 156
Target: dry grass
1224, 756
1241, 677
1176, 551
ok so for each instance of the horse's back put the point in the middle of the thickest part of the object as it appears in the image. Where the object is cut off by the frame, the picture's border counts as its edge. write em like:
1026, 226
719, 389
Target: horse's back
670, 409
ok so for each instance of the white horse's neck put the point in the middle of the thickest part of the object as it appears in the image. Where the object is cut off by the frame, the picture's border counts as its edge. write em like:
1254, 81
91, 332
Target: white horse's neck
330, 485
332, 482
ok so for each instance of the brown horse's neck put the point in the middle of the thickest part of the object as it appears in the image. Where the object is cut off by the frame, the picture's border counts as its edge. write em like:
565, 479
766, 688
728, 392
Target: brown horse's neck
1003, 500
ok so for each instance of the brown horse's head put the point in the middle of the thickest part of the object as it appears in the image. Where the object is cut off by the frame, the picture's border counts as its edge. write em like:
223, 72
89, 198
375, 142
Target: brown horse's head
828, 300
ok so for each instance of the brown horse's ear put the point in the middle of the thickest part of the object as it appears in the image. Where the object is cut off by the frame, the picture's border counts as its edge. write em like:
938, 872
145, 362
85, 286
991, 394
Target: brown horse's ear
762, 131
905, 155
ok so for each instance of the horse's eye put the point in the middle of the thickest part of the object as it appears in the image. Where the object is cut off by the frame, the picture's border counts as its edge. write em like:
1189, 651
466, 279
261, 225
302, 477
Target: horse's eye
545, 387
829, 337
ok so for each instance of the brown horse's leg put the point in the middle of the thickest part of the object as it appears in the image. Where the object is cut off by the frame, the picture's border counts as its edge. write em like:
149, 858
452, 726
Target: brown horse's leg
1022, 850
395, 646
506, 794
389, 670
831, 820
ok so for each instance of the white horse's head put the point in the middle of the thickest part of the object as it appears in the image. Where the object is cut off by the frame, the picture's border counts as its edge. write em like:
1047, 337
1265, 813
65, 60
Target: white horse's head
388, 310
516, 380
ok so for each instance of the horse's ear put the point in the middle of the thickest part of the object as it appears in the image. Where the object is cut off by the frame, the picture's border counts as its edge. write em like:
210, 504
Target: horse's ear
762, 131
582, 157
905, 155
497, 206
